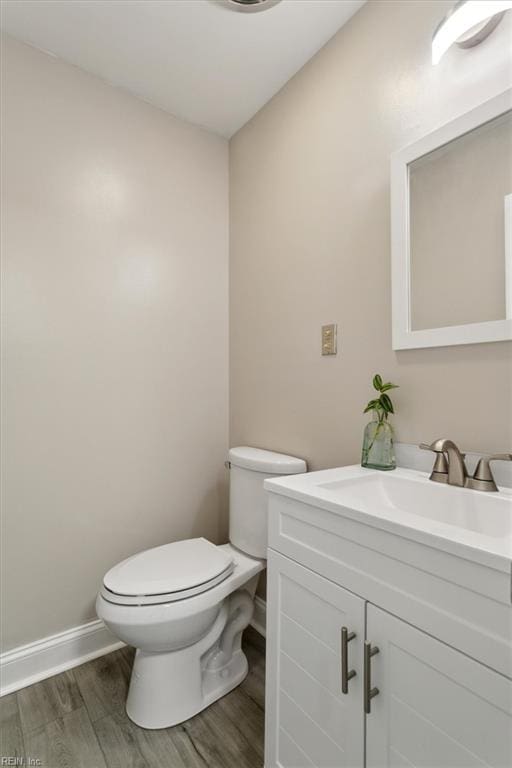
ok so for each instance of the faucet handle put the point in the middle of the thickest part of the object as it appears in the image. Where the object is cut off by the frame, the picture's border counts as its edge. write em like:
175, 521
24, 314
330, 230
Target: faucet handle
435, 447
483, 479
440, 469
440, 446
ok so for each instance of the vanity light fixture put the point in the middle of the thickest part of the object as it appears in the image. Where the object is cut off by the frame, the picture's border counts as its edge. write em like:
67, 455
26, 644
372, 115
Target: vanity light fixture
468, 24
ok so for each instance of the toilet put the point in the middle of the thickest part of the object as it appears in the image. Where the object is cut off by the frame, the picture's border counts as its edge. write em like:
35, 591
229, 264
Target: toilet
184, 605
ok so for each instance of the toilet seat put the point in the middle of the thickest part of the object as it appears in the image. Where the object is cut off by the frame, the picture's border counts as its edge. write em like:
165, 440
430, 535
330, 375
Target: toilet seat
145, 614
168, 573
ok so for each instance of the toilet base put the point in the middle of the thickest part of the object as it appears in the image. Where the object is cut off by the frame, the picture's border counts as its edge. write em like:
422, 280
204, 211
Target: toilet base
220, 682
168, 688
147, 713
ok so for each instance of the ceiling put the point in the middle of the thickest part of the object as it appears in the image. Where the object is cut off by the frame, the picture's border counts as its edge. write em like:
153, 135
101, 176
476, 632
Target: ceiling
194, 58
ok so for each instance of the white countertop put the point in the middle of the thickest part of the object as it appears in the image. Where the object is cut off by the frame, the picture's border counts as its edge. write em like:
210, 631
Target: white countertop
471, 524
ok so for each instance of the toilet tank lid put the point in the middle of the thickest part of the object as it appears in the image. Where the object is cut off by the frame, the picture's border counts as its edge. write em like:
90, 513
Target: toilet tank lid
269, 462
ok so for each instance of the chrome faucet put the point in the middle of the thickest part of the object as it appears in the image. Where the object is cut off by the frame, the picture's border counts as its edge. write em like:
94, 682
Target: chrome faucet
450, 467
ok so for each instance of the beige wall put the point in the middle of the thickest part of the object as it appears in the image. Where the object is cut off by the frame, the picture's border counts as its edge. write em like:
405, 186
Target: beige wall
115, 259
310, 244
115, 298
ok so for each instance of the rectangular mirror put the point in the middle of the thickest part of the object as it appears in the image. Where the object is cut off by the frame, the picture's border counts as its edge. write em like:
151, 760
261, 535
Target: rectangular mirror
452, 232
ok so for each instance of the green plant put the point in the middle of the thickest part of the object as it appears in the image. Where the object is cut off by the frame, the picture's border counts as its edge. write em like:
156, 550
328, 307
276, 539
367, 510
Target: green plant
382, 405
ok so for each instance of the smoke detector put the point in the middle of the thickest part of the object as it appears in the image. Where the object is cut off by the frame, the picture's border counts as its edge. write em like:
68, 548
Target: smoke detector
249, 6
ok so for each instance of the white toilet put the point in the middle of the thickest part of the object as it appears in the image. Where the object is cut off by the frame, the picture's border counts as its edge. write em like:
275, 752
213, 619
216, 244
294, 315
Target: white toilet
185, 605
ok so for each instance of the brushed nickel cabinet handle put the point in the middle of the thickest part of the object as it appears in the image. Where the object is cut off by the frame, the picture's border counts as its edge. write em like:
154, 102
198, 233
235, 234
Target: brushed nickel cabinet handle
369, 692
346, 674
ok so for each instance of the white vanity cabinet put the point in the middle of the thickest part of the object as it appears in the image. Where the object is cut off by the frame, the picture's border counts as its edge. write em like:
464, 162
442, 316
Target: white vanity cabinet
435, 707
430, 645
310, 721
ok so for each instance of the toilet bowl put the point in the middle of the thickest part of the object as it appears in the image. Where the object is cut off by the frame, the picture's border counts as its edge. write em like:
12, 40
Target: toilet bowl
188, 648
184, 605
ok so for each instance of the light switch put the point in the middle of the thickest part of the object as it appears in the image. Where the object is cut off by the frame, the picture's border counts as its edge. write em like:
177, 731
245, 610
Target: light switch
329, 345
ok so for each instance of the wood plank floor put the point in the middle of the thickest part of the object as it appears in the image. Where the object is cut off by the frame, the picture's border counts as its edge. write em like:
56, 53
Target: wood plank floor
77, 720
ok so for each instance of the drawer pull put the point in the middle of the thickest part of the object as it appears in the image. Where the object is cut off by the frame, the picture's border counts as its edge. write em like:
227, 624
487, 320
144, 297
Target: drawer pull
346, 674
369, 692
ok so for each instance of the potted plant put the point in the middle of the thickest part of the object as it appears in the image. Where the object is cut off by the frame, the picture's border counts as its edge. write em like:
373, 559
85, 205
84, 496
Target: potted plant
378, 451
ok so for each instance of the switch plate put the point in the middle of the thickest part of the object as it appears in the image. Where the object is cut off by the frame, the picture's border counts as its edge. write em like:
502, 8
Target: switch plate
329, 341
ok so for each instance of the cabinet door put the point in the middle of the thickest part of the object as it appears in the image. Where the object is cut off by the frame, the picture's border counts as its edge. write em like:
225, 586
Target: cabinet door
436, 707
309, 720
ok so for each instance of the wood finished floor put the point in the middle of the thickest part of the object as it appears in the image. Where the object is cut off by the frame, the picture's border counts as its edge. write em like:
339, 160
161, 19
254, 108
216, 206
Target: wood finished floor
77, 720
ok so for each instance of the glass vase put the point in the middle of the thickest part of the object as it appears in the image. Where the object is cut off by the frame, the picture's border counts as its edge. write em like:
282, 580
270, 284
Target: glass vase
378, 450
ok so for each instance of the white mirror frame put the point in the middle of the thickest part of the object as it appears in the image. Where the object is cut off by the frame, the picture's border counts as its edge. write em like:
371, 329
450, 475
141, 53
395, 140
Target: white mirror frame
472, 333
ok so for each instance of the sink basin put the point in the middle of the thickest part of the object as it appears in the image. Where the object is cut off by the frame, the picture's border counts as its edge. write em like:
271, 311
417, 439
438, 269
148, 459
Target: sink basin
472, 524
485, 513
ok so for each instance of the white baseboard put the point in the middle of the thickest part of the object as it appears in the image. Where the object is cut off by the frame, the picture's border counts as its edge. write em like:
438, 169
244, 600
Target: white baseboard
259, 617
44, 658
36, 661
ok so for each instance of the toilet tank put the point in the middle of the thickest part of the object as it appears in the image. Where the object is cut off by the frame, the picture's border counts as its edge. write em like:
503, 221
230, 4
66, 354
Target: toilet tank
249, 467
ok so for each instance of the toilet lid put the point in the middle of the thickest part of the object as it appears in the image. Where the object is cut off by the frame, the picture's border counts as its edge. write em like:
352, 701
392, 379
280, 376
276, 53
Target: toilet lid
178, 567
